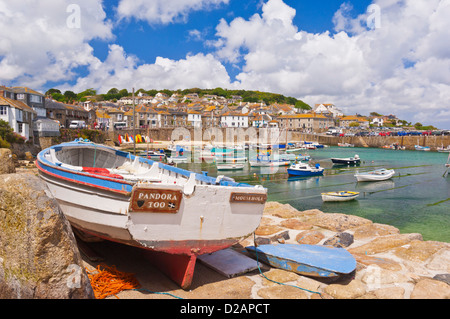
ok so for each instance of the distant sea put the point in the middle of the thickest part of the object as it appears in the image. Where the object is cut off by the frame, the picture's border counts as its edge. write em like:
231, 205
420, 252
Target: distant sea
415, 200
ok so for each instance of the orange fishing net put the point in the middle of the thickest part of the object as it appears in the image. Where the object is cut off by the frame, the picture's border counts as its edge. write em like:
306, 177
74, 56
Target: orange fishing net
107, 281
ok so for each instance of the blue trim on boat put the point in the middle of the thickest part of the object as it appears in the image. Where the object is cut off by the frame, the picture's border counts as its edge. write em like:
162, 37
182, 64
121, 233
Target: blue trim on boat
98, 180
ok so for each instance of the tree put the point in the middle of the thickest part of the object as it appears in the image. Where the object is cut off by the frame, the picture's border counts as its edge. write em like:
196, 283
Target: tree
113, 91
70, 96
52, 91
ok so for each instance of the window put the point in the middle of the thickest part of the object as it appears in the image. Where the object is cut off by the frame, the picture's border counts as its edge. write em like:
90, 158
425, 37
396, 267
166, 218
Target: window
20, 126
35, 98
21, 96
3, 110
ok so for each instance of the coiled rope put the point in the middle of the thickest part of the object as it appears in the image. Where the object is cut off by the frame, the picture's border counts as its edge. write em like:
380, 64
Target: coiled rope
108, 281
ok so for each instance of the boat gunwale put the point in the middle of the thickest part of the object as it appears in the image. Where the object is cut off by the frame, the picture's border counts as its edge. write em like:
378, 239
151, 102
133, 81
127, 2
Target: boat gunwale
185, 173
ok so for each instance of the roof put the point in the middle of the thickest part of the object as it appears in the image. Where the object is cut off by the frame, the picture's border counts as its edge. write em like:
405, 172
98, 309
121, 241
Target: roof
16, 104
303, 116
353, 118
23, 89
230, 113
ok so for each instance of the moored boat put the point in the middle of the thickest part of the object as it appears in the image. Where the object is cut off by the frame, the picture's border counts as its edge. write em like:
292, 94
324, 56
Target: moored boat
347, 161
229, 166
381, 174
304, 169
173, 213
342, 196
346, 145
421, 148
267, 161
153, 155
444, 149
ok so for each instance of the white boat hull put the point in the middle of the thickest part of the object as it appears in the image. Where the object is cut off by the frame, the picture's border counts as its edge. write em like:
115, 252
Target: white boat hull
163, 209
338, 197
224, 167
375, 176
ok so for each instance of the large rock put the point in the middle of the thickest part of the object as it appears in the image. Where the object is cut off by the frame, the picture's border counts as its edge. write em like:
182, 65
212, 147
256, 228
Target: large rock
6, 161
385, 243
352, 290
280, 210
419, 250
337, 222
431, 289
39, 258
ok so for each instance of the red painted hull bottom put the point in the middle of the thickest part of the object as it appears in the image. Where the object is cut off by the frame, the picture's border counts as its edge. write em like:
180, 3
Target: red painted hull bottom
179, 267
177, 261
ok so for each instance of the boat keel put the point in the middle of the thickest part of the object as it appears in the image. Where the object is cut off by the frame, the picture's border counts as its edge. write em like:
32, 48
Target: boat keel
179, 268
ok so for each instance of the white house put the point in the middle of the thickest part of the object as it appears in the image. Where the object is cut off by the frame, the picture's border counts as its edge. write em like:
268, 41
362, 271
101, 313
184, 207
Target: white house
377, 121
328, 108
195, 119
19, 116
233, 119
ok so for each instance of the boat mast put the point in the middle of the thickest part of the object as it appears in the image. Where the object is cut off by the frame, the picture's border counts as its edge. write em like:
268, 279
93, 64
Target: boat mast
134, 125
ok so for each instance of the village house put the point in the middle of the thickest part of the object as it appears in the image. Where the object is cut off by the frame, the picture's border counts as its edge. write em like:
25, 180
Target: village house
66, 113
282, 109
353, 120
309, 122
234, 119
102, 118
30, 97
178, 118
116, 115
330, 109
194, 118
261, 120
19, 116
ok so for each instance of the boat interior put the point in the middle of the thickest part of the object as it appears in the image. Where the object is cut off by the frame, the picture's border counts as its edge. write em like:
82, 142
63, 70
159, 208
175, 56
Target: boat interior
111, 163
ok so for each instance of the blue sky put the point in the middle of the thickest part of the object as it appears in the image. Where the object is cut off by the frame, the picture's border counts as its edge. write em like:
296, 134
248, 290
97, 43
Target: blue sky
173, 41
387, 56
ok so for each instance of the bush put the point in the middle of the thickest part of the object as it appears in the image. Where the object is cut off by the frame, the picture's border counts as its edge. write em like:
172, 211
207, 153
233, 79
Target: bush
4, 144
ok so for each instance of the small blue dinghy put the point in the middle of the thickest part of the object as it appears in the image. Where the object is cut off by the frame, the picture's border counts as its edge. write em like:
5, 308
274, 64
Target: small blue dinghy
308, 260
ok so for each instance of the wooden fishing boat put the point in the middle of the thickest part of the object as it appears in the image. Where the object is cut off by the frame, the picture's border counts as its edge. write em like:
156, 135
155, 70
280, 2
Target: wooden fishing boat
381, 174
173, 214
347, 161
308, 260
342, 196
304, 169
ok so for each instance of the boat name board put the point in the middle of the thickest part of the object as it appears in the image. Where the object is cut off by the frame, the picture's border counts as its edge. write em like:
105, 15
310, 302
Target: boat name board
249, 198
155, 201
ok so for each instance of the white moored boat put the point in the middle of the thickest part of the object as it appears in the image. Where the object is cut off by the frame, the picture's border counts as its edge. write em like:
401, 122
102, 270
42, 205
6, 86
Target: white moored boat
229, 166
381, 174
267, 161
339, 196
175, 214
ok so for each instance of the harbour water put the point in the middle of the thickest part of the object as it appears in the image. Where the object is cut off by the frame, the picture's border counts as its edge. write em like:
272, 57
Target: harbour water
415, 200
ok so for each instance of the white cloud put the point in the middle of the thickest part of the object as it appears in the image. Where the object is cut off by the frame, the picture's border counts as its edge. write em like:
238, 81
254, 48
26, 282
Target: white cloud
37, 45
123, 71
163, 11
400, 64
